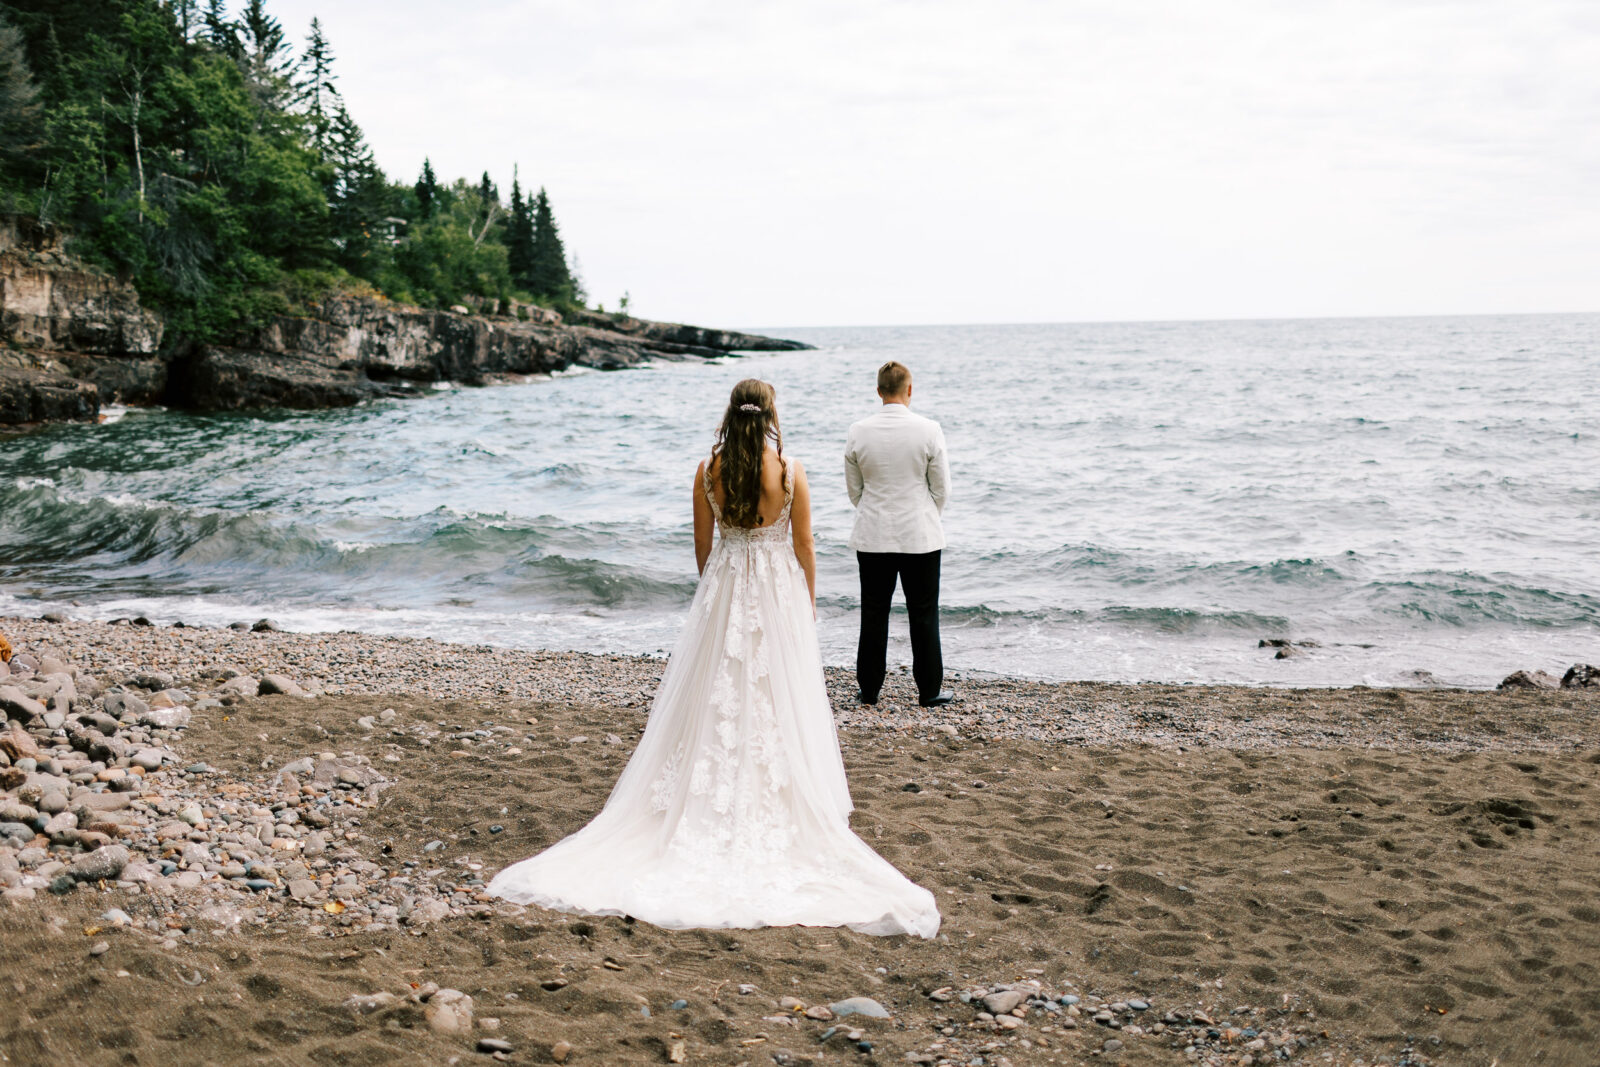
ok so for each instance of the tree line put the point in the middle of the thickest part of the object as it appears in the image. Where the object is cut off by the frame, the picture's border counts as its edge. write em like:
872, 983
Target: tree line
205, 158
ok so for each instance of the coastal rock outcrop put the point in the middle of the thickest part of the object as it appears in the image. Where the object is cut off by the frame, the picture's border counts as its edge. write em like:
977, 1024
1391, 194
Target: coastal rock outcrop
79, 338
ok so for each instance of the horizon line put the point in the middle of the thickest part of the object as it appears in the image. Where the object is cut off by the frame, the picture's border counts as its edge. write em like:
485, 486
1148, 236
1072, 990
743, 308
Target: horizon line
1161, 321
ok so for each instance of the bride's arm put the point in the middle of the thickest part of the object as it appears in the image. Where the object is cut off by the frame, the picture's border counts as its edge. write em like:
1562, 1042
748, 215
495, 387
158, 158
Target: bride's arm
805, 549
702, 520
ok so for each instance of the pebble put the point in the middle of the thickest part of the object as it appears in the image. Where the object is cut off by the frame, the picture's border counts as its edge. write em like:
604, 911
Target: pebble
494, 1044
859, 1006
449, 1011
560, 1051
99, 948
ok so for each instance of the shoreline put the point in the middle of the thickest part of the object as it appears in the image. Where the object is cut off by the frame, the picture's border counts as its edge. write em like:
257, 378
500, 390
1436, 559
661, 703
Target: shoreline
1160, 714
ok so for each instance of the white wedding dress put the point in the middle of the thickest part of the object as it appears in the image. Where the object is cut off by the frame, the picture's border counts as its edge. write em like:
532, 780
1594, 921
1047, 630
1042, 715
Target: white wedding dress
733, 811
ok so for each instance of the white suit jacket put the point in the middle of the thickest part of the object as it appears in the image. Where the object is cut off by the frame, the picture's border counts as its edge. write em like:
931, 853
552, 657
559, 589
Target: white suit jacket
898, 477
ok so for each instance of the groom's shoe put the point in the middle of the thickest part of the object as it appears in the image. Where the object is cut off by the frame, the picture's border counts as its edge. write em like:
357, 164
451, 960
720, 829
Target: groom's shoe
943, 697
862, 697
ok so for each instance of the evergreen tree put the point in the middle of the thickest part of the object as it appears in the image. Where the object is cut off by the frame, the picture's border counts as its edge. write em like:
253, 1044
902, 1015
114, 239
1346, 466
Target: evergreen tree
220, 31
548, 276
359, 194
319, 95
519, 237
19, 97
427, 189
267, 63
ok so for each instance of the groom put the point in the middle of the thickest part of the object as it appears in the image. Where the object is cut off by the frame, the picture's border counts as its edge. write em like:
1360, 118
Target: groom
898, 478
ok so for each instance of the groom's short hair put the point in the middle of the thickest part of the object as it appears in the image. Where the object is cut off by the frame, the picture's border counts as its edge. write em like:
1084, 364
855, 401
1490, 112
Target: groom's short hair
893, 377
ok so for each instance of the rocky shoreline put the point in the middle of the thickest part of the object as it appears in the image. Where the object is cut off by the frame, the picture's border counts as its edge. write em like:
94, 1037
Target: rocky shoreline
73, 338
200, 801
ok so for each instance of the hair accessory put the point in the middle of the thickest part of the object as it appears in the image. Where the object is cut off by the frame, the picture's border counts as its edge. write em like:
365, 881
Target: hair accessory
754, 409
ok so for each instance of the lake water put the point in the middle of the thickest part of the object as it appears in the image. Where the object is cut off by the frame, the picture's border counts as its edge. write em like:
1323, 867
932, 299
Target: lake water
1139, 501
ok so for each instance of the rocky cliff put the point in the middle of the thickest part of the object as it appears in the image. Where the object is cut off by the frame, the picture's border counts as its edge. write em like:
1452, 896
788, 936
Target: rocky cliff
72, 338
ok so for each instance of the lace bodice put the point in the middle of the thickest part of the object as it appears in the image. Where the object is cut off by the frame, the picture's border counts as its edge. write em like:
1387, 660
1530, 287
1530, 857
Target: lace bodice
776, 531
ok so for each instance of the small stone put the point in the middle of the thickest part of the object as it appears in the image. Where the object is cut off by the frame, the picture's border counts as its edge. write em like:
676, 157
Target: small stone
371, 1002
493, 1044
560, 1051
278, 684
242, 686
1003, 1001
449, 1011
101, 864
818, 1012
100, 948
1112, 1045
1139, 1005
263, 626
147, 758
859, 1006
167, 718
678, 1005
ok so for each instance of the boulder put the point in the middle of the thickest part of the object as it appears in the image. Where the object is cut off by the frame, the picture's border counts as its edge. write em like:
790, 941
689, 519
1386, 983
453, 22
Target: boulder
1530, 680
1581, 676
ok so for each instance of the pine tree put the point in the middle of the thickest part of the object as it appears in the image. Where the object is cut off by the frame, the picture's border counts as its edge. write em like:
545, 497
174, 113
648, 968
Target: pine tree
427, 189
519, 237
267, 64
548, 275
358, 196
19, 97
220, 31
319, 95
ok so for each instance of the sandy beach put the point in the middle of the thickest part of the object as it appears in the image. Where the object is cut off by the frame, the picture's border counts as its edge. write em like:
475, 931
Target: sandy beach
1140, 874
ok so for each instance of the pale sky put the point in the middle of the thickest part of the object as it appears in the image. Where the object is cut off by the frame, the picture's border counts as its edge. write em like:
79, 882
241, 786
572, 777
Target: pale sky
768, 164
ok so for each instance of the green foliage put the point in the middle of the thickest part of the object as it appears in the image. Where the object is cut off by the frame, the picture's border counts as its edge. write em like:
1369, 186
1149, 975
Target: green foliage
192, 153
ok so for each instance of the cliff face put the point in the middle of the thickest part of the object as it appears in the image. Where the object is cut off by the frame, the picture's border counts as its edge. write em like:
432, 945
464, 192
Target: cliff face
70, 335
78, 338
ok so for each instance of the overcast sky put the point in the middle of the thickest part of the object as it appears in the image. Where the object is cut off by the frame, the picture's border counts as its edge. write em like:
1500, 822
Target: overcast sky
744, 163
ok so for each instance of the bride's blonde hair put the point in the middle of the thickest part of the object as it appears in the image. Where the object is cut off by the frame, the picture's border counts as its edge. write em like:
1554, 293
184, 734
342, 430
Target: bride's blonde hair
749, 423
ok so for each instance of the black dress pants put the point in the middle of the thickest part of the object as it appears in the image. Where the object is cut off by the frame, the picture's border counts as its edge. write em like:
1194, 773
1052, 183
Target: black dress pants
918, 575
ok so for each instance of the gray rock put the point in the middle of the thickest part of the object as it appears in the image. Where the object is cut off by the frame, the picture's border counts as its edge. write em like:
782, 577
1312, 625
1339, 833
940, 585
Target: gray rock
272, 684
1112, 1045
17, 830
859, 1006
1581, 676
106, 863
166, 718
371, 1002
148, 758
493, 1044
19, 705
1003, 1001
153, 680
125, 705
264, 626
1530, 680
242, 686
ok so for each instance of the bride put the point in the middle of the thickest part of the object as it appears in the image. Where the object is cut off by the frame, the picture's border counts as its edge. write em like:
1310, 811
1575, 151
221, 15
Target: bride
733, 811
